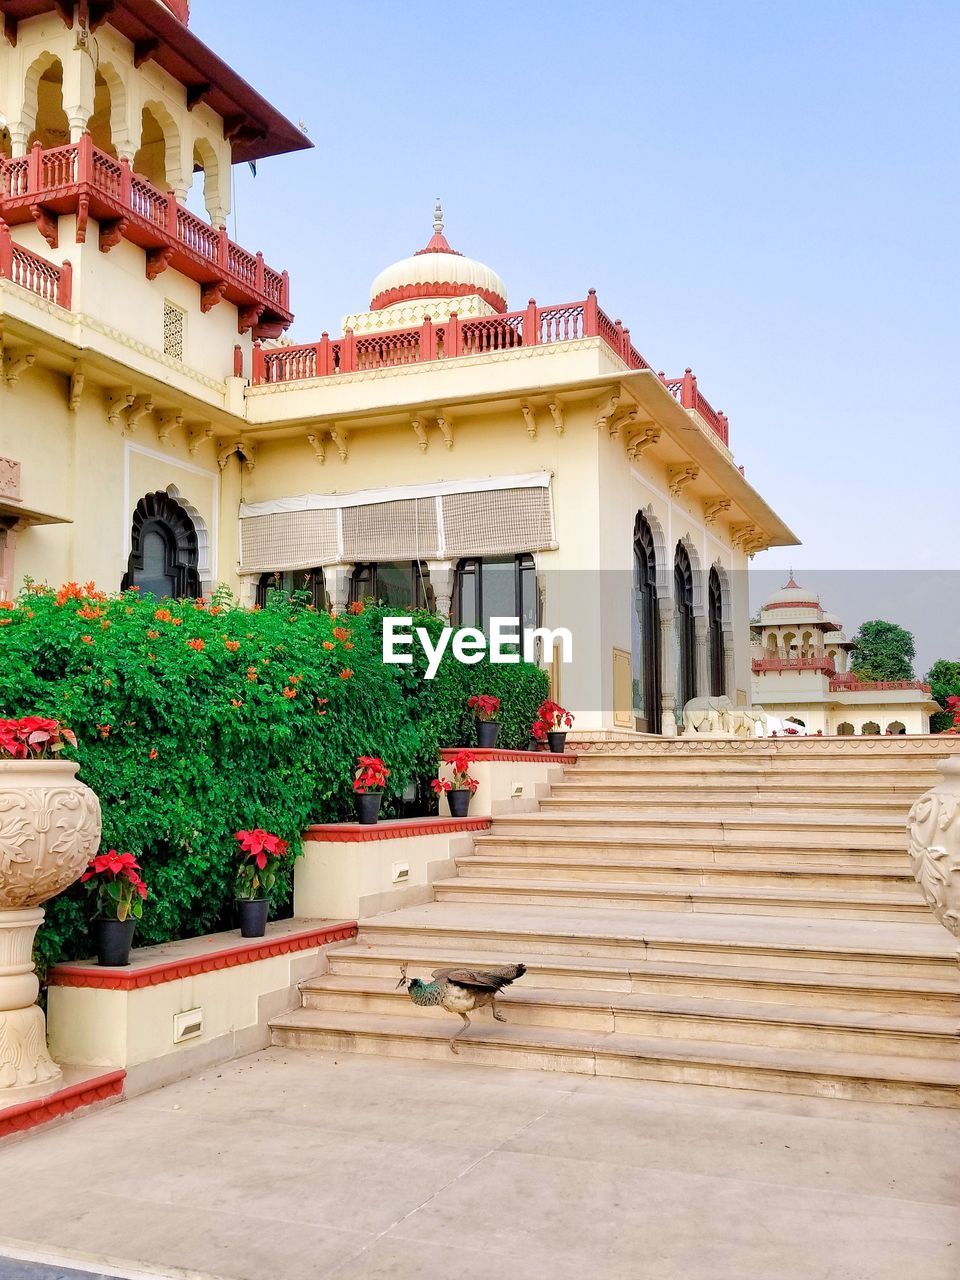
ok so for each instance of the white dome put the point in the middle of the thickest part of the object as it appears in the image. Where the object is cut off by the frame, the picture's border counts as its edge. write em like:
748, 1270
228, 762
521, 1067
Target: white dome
437, 272
794, 597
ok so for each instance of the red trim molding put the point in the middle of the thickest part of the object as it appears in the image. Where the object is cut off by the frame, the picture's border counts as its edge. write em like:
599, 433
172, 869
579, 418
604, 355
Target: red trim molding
27, 1115
435, 289
360, 833
81, 975
482, 754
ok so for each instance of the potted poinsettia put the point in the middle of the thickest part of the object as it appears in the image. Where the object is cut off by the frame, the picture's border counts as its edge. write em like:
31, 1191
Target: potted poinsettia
459, 787
485, 708
369, 780
256, 875
114, 879
552, 722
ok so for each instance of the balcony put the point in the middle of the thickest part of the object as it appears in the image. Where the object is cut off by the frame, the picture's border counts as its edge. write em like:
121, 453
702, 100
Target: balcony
30, 271
81, 179
850, 684
449, 339
821, 664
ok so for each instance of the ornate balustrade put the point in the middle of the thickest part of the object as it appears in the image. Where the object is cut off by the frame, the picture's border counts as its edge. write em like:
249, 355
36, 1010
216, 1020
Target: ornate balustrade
453, 337
30, 271
824, 664
850, 684
80, 179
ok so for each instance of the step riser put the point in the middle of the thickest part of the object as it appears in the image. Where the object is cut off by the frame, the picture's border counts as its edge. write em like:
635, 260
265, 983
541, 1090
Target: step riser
596, 873
623, 1066
685, 1026
784, 834
830, 809
654, 901
715, 987
670, 950
706, 855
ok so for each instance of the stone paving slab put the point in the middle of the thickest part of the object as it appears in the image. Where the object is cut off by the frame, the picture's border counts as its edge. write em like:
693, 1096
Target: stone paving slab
309, 1165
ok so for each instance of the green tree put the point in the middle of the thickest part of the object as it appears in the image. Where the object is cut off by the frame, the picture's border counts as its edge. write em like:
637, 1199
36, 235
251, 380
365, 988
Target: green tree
883, 651
944, 681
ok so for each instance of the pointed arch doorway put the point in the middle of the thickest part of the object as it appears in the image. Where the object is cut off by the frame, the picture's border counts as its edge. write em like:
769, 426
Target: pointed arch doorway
647, 702
164, 549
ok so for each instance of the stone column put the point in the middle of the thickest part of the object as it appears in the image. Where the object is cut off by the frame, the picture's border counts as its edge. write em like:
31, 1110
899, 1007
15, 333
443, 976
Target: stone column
443, 579
337, 578
668, 692
19, 133
729, 664
701, 657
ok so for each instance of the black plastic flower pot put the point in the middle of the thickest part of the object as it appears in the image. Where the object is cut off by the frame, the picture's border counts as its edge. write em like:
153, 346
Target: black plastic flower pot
368, 807
459, 801
487, 731
252, 914
557, 740
113, 939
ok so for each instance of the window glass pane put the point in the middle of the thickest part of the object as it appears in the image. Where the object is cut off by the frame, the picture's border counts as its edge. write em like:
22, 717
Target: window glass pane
154, 576
468, 584
528, 594
395, 583
499, 590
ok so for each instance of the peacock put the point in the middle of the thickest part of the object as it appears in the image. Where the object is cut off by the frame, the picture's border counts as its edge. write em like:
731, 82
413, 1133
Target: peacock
461, 990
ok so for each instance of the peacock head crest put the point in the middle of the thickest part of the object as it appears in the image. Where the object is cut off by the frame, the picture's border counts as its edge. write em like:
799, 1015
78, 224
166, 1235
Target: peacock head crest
403, 977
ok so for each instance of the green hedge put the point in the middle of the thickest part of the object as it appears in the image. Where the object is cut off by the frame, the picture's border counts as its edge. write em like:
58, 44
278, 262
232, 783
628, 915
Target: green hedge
187, 743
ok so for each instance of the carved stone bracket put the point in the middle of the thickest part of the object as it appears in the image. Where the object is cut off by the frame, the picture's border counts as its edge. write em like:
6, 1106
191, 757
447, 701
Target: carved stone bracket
315, 440
714, 507
445, 426
199, 436
606, 409
341, 439
225, 451
47, 224
157, 261
77, 379
679, 477
141, 408
556, 412
118, 402
16, 363
642, 441
112, 231
167, 423
748, 538
420, 431
249, 451
530, 420
211, 294
248, 318
628, 418
83, 217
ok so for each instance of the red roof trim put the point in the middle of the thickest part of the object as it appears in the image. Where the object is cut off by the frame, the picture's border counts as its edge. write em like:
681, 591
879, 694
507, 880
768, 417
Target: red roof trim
793, 604
436, 289
36, 1111
399, 828
246, 952
256, 128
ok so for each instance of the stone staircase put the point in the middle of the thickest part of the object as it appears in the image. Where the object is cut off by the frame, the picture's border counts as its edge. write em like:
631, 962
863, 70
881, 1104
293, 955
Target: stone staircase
737, 914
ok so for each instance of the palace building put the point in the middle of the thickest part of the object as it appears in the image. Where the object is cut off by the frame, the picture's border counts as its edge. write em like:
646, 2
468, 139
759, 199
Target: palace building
447, 449
801, 661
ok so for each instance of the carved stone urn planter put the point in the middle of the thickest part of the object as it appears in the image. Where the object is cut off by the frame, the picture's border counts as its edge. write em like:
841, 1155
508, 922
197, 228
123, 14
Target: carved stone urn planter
933, 828
49, 831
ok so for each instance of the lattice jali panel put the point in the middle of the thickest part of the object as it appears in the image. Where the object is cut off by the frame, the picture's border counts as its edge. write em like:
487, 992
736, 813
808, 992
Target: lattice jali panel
402, 530
497, 522
288, 540
174, 330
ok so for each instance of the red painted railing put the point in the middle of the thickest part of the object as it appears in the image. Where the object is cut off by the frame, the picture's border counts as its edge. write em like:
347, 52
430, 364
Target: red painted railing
685, 391
823, 664
850, 684
30, 271
65, 178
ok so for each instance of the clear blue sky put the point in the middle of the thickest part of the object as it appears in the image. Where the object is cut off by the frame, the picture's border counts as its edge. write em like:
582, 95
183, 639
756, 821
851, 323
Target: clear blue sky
764, 191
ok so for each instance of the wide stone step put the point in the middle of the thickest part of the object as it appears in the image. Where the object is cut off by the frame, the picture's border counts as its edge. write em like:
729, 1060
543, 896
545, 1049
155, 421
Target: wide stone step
682, 849
710, 1018
786, 873
920, 949
784, 830
696, 801
787, 1070
785, 901
855, 991
820, 793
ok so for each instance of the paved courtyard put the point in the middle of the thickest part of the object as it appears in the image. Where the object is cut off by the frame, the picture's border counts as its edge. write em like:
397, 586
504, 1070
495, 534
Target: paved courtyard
291, 1165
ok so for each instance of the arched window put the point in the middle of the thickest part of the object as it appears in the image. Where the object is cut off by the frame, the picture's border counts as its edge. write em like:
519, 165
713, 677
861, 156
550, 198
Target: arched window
647, 701
51, 128
715, 633
896, 727
299, 580
845, 729
685, 640
404, 584
496, 587
151, 158
870, 728
163, 549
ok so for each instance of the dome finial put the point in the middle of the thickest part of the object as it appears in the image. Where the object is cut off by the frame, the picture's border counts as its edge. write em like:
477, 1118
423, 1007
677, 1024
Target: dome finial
438, 217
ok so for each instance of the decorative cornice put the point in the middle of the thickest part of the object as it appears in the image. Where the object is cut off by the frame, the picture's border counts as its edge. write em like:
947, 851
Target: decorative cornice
80, 975
36, 1111
435, 289
392, 829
